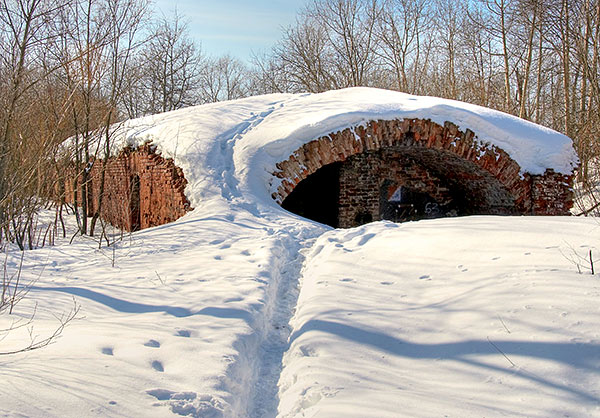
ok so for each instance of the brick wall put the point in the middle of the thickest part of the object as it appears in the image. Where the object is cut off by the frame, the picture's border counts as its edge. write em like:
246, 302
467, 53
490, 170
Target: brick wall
441, 165
141, 189
371, 185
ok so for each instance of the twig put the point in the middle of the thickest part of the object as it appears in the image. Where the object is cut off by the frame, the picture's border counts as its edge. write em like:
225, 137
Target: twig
160, 278
64, 320
591, 262
503, 324
12, 302
587, 211
501, 352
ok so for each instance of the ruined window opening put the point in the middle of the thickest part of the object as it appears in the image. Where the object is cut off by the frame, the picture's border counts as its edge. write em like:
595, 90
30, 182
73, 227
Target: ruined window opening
399, 203
134, 203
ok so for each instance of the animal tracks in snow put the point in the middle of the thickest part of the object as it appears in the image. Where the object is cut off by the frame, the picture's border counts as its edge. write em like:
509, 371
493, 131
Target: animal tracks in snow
107, 351
152, 343
158, 366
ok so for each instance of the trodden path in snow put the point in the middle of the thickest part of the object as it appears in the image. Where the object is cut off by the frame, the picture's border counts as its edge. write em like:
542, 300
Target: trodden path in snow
288, 260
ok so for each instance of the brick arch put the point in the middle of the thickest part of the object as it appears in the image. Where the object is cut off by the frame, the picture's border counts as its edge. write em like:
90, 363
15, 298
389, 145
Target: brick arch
447, 150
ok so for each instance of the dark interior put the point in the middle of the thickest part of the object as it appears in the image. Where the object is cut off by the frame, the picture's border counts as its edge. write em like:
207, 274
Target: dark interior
316, 197
134, 203
410, 204
470, 190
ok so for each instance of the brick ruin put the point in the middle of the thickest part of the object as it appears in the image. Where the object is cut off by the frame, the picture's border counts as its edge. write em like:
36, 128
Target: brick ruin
141, 189
396, 170
412, 169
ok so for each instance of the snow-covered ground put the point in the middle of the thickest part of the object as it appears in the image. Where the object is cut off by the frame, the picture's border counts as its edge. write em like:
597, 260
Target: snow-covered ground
240, 309
476, 316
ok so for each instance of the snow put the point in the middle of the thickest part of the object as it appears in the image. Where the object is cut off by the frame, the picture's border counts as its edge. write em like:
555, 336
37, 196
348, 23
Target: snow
243, 309
477, 316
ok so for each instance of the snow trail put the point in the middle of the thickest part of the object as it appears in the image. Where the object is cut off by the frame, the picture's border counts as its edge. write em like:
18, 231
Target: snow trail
288, 260
224, 150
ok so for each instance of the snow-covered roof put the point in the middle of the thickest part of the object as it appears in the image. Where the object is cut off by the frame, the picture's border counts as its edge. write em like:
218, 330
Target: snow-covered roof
239, 142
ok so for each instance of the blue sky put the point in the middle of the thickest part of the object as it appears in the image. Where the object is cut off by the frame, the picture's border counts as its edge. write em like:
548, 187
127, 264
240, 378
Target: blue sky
234, 26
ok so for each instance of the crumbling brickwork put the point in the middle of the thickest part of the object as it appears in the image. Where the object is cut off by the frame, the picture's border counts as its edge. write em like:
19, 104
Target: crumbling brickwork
452, 167
141, 189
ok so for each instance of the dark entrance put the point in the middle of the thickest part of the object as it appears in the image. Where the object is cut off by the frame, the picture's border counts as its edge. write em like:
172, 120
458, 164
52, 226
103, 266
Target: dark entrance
317, 196
398, 184
134, 203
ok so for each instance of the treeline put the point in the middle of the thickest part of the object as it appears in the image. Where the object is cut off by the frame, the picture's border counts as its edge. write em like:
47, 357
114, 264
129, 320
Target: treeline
537, 59
73, 68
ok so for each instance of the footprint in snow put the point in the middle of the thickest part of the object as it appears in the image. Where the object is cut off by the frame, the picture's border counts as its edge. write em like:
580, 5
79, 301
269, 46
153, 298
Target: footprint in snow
218, 257
425, 277
152, 343
107, 350
183, 333
158, 366
189, 403
496, 258
165, 395
347, 280
386, 283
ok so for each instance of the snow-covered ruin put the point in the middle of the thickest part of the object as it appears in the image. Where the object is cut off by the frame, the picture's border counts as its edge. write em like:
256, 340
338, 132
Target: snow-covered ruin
240, 308
345, 158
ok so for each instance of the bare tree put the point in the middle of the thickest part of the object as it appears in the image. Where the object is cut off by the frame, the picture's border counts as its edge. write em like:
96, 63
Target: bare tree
125, 17
303, 60
23, 146
224, 78
349, 27
172, 63
404, 31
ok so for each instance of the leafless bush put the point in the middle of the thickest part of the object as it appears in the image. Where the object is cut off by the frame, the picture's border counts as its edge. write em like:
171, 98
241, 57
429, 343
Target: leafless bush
12, 292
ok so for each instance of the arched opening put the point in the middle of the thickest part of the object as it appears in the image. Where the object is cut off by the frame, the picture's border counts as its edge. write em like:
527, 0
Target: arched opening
412, 169
134, 203
398, 184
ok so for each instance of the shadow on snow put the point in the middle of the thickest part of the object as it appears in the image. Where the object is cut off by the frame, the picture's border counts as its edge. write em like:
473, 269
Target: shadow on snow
581, 355
124, 306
